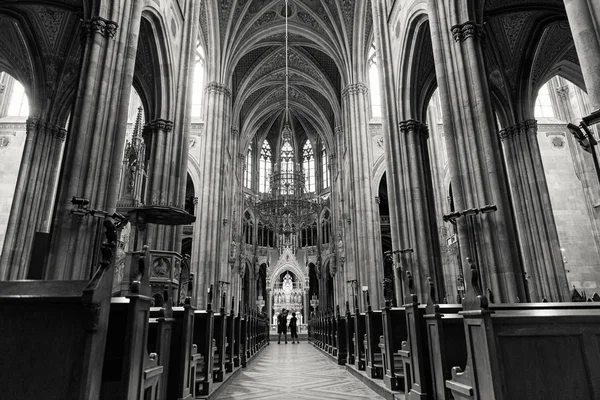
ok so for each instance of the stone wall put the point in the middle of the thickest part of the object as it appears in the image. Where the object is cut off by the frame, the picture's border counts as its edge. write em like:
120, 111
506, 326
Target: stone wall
575, 232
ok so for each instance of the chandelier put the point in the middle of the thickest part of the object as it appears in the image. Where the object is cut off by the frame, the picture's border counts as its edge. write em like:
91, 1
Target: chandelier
286, 207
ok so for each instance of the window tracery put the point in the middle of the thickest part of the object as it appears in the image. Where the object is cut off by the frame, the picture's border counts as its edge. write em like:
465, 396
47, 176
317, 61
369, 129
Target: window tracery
248, 175
308, 166
264, 167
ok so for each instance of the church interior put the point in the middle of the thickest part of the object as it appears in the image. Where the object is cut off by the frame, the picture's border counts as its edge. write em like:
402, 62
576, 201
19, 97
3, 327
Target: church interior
415, 181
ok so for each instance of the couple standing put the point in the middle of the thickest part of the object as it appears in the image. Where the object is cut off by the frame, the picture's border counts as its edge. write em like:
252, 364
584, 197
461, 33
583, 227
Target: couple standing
282, 326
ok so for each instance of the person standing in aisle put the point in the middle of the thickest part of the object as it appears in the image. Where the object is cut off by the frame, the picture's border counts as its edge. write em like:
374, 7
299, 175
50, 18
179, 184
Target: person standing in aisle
294, 328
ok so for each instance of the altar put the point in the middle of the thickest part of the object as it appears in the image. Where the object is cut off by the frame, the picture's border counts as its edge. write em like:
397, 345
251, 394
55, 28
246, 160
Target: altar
288, 293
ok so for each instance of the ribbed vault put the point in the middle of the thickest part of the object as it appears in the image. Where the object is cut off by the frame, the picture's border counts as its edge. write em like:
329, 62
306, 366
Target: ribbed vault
328, 44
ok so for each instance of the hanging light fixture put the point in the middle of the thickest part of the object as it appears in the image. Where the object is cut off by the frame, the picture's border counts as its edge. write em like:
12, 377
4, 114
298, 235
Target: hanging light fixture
287, 206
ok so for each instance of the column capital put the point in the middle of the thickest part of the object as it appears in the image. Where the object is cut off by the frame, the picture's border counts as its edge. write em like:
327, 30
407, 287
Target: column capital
339, 130
58, 132
219, 88
530, 125
31, 124
355, 88
563, 91
160, 125
462, 32
523, 127
411, 125
99, 25
235, 131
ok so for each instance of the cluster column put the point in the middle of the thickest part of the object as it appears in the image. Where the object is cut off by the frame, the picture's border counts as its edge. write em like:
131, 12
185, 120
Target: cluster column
584, 19
212, 188
416, 188
34, 196
159, 138
538, 237
364, 222
410, 187
474, 152
98, 127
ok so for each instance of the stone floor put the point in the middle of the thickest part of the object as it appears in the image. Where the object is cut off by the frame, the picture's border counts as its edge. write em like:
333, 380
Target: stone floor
295, 372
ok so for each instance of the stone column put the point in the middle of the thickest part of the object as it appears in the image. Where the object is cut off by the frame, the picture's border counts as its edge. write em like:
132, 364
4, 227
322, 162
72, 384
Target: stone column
538, 237
410, 188
98, 126
584, 19
417, 187
364, 224
211, 196
474, 152
33, 200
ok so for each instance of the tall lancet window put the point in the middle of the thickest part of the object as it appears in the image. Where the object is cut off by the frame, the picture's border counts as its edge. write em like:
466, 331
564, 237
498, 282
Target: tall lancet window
325, 167
264, 167
287, 164
248, 177
308, 166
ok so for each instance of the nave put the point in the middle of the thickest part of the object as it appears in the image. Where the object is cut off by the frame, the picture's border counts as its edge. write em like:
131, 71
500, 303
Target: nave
295, 372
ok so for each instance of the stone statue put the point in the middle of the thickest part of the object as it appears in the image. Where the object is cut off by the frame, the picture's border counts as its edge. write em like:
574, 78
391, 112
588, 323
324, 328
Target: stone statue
233, 249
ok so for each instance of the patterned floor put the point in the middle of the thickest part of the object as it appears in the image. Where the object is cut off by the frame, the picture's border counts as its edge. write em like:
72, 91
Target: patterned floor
295, 372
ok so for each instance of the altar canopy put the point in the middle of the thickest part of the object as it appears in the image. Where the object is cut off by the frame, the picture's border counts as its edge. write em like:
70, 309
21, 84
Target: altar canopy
287, 293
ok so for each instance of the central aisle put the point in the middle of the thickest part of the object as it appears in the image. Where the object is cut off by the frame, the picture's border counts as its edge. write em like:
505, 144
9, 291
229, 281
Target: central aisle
295, 371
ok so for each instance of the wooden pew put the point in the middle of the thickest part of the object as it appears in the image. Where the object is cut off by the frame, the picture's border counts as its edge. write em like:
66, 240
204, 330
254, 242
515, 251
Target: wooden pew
183, 357
341, 341
203, 339
349, 335
373, 332
129, 372
230, 335
447, 345
244, 353
237, 335
359, 333
220, 336
160, 329
394, 333
54, 333
526, 354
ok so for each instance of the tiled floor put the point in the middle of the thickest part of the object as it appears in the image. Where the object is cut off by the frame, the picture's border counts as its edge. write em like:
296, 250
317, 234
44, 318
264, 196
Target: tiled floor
295, 372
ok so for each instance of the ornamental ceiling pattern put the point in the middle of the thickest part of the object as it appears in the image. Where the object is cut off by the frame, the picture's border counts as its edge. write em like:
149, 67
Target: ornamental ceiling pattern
39, 50
525, 42
245, 45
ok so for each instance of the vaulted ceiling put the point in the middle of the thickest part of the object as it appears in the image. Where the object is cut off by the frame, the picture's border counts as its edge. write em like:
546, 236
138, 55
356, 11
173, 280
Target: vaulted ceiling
328, 47
528, 41
38, 50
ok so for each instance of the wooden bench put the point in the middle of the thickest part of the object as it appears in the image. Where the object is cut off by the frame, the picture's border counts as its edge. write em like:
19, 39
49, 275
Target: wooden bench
341, 341
237, 335
129, 372
373, 332
527, 353
54, 334
230, 338
394, 333
359, 347
203, 339
182, 359
350, 324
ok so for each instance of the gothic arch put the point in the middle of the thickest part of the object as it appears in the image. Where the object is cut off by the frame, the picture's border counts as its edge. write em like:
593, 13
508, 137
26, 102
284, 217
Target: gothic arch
153, 78
417, 76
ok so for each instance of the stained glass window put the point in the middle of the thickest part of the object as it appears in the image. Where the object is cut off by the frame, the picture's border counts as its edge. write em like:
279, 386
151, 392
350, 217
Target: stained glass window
264, 168
248, 177
308, 166
325, 167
